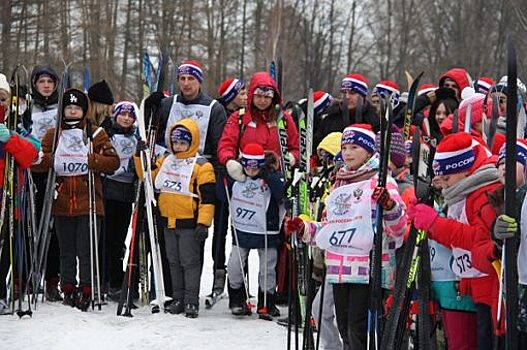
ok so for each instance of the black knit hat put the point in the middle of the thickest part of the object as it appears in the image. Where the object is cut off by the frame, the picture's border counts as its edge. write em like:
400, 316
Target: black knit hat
75, 97
101, 92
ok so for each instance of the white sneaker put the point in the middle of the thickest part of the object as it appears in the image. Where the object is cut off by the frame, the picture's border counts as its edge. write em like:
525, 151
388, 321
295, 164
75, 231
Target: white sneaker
4, 308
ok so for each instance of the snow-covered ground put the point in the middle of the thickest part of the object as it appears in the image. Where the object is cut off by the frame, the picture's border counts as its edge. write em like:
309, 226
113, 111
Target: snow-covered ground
55, 326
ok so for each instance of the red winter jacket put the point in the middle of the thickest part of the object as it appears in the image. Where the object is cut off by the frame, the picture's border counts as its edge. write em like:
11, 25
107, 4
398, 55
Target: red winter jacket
256, 128
480, 217
459, 75
21, 149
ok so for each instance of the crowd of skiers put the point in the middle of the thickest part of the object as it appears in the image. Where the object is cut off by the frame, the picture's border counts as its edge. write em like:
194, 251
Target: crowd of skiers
223, 163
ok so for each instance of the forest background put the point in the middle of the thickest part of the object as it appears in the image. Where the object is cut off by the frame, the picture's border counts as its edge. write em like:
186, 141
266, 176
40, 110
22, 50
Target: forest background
319, 41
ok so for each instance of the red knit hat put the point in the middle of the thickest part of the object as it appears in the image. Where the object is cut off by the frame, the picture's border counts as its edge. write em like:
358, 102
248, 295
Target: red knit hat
484, 84
321, 100
355, 82
388, 88
426, 88
253, 156
454, 154
229, 89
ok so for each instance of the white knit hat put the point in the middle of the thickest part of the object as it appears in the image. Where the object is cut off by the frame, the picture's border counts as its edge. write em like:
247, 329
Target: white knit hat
4, 85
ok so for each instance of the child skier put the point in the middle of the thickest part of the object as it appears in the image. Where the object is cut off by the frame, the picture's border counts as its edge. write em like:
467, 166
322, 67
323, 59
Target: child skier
256, 216
186, 203
347, 234
119, 190
467, 174
72, 160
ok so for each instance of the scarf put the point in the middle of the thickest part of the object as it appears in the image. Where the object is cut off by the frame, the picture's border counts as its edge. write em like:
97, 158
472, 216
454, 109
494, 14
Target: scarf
483, 176
346, 176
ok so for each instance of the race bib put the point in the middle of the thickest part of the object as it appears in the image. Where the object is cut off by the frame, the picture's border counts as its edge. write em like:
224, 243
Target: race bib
199, 113
71, 155
125, 147
249, 203
42, 121
462, 264
175, 175
349, 225
441, 262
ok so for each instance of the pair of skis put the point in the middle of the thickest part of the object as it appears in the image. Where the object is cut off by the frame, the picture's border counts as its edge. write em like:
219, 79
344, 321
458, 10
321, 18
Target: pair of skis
413, 271
145, 199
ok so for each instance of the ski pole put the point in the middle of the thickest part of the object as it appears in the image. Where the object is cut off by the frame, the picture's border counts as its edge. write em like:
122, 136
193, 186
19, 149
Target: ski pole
321, 308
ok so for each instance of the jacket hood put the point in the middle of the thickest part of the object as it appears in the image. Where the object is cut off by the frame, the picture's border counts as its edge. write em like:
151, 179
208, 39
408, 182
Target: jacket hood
331, 143
459, 75
37, 97
263, 79
191, 126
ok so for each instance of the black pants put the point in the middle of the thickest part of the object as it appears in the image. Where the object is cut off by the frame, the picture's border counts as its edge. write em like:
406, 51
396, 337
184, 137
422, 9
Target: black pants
221, 218
351, 306
74, 239
485, 340
53, 257
116, 222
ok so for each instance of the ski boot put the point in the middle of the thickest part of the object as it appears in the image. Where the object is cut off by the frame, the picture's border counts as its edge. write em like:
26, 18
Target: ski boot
84, 300
267, 312
238, 302
52, 290
219, 281
71, 295
191, 310
176, 307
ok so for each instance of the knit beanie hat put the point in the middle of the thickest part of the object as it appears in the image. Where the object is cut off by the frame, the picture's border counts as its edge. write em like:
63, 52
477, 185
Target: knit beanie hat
125, 106
180, 133
355, 82
501, 86
229, 89
77, 98
521, 152
454, 154
477, 101
397, 147
191, 67
4, 85
426, 88
101, 92
321, 100
385, 88
253, 156
483, 85
361, 135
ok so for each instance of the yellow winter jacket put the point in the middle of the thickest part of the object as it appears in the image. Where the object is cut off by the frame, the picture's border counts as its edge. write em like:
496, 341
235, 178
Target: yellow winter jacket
184, 211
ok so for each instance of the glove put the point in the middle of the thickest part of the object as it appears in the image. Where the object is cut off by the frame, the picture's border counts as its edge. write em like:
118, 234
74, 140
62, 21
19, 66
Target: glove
422, 215
235, 170
201, 233
5, 134
141, 146
291, 158
154, 100
504, 227
92, 161
294, 225
382, 196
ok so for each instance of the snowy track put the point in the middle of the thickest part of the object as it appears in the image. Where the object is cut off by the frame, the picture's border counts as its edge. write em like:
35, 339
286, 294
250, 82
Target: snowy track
55, 326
